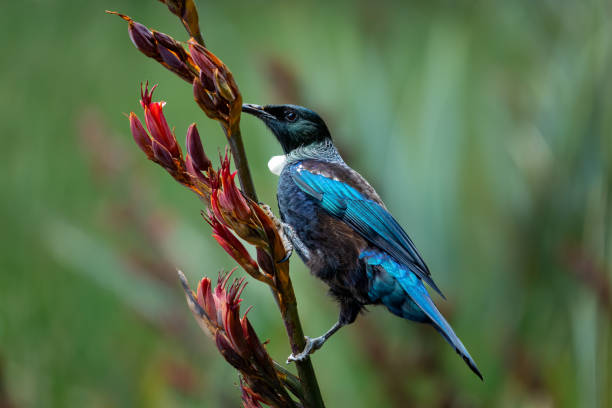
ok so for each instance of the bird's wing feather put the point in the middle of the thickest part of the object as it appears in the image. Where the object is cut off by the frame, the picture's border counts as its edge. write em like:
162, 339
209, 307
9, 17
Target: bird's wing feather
369, 218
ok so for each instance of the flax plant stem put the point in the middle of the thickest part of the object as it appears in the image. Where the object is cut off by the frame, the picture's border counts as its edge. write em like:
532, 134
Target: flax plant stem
234, 138
285, 296
311, 397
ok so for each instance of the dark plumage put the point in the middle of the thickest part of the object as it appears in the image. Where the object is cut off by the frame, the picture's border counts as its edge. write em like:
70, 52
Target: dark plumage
343, 232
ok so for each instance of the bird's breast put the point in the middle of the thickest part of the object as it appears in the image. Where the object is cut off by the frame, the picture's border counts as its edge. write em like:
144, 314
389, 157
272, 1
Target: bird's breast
334, 246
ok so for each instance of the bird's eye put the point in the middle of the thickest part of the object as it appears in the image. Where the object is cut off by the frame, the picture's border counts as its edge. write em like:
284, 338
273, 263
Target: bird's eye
291, 116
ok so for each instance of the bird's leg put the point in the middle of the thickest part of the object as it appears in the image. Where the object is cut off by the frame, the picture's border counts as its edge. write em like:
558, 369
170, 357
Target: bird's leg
313, 344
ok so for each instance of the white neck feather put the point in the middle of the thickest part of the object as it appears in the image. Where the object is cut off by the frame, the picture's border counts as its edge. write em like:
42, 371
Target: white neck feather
324, 151
276, 164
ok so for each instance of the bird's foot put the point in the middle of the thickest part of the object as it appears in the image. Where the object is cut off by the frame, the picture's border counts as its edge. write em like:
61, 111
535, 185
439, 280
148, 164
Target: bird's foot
311, 346
266, 208
289, 249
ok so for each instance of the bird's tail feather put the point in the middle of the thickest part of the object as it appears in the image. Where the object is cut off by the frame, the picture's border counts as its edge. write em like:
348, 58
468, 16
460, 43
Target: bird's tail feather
392, 281
419, 295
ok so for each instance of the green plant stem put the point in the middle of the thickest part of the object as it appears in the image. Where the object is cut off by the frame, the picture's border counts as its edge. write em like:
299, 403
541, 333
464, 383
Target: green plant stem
234, 138
286, 296
290, 381
293, 326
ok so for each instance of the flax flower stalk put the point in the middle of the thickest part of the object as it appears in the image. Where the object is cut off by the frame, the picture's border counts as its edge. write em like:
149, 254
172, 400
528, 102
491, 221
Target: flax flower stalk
229, 210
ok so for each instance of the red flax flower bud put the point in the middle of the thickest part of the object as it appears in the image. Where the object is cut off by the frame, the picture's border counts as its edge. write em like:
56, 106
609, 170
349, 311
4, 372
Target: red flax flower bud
196, 161
161, 47
271, 231
227, 351
223, 87
250, 399
166, 41
206, 300
215, 89
230, 311
258, 351
142, 39
141, 36
173, 62
232, 208
163, 156
265, 262
231, 199
141, 137
156, 122
233, 246
195, 149
195, 172
187, 12
218, 313
199, 55
204, 100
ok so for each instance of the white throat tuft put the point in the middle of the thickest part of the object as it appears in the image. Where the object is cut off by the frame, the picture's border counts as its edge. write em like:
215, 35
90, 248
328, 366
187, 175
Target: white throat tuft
277, 163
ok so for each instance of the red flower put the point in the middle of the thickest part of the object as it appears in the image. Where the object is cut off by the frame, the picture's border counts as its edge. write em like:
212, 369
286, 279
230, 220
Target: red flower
232, 245
250, 399
226, 198
196, 161
218, 312
195, 149
206, 300
141, 137
214, 88
156, 122
161, 145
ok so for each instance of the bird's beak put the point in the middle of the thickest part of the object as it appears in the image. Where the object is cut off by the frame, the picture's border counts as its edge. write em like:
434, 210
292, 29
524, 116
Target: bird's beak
257, 110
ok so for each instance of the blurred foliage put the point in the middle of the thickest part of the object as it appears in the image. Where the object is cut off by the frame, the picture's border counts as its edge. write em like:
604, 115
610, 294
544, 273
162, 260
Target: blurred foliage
485, 125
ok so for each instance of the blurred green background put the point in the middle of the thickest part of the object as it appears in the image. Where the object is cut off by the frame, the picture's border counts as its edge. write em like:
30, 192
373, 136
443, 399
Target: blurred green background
485, 125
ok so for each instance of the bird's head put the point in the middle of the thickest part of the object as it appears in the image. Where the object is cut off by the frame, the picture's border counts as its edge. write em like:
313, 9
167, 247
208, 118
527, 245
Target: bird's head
293, 125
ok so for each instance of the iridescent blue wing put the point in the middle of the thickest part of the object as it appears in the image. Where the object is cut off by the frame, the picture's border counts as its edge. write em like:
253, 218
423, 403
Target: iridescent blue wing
366, 216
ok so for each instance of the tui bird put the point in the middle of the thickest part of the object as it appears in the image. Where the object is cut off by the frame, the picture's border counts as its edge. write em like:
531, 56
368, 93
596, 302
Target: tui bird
342, 230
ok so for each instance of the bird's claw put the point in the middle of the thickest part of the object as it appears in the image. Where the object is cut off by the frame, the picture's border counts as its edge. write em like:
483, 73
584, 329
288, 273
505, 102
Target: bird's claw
311, 346
287, 254
266, 209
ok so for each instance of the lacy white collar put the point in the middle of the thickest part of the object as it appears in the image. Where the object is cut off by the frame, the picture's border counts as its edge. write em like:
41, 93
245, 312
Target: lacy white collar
324, 151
